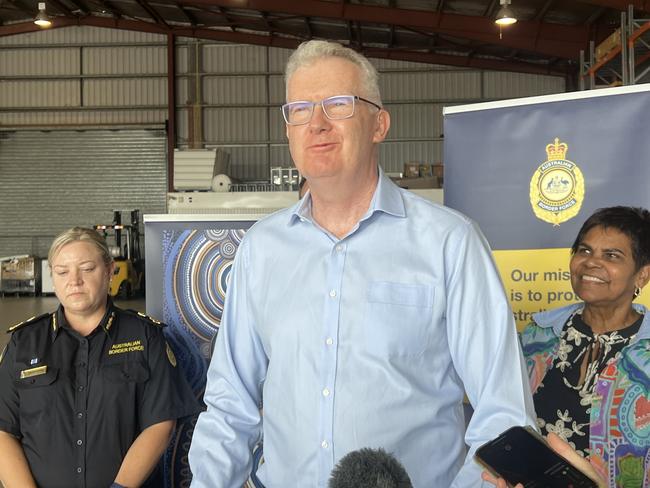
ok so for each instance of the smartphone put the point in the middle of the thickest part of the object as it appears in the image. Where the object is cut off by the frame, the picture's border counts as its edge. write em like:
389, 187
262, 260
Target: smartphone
521, 455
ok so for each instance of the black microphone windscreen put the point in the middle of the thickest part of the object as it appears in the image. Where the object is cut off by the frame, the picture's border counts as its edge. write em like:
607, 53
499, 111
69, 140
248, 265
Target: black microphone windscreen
369, 468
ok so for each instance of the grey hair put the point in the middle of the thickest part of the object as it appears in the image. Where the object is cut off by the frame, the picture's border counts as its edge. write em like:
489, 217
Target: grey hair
310, 51
80, 234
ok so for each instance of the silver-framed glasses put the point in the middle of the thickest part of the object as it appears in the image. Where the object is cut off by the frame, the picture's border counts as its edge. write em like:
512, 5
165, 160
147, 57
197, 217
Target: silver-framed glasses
335, 108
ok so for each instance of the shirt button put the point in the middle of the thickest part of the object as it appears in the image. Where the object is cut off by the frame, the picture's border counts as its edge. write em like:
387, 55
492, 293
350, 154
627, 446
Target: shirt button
324, 444
79, 469
326, 392
79, 442
338, 248
329, 341
332, 293
81, 388
80, 415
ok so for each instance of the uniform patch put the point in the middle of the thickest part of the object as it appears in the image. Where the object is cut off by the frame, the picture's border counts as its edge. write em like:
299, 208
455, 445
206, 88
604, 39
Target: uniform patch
170, 355
124, 347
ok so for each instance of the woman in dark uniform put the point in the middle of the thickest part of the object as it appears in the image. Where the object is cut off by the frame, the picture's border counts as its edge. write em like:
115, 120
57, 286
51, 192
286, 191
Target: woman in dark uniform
89, 394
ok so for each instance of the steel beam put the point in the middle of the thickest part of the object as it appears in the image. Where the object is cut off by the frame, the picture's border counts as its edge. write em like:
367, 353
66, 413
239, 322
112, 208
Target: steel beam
288, 43
622, 5
563, 41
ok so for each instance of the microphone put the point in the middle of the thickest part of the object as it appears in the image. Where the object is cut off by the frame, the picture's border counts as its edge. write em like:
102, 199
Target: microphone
369, 468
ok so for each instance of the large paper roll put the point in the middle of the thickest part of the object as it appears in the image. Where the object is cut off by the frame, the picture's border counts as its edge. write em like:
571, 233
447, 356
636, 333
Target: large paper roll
221, 183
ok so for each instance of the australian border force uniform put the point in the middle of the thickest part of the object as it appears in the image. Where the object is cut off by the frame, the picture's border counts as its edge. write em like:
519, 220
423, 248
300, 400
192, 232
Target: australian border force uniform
77, 403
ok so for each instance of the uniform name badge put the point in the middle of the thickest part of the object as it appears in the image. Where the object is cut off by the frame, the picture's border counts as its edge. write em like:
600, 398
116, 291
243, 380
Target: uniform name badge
28, 373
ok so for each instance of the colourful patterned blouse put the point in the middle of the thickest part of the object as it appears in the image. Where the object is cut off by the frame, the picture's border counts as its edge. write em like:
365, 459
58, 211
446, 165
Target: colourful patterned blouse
619, 431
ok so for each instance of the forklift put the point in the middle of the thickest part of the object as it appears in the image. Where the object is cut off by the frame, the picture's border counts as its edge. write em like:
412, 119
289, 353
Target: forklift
124, 245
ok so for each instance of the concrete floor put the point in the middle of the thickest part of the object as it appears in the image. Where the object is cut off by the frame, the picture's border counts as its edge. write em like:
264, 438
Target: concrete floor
16, 309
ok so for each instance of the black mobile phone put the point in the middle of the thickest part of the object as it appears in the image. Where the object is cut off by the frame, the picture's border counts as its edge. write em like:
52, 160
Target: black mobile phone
520, 455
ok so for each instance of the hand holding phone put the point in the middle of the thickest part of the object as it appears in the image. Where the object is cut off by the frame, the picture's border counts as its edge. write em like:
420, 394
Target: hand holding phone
520, 455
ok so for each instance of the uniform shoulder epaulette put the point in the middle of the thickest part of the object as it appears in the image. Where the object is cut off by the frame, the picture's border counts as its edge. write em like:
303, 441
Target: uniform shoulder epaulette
27, 322
146, 318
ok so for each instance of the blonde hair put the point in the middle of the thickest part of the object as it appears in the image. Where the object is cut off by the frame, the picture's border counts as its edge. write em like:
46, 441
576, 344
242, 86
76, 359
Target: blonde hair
311, 51
80, 234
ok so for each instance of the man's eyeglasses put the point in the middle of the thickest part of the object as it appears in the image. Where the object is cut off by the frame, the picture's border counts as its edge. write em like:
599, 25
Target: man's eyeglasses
334, 108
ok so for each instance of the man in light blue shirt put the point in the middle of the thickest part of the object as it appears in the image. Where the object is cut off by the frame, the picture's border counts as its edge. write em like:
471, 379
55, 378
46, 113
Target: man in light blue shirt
358, 317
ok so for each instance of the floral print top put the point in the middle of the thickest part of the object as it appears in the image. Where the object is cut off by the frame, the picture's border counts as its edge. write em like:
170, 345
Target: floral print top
619, 410
581, 356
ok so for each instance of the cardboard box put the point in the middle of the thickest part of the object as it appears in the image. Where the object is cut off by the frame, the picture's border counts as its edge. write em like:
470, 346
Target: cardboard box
438, 170
611, 42
418, 183
426, 170
412, 169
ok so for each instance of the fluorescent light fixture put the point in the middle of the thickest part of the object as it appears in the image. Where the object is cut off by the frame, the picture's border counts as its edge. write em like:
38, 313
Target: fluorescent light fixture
42, 19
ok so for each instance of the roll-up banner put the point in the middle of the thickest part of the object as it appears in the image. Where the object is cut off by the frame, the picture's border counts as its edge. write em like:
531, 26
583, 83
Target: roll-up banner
530, 171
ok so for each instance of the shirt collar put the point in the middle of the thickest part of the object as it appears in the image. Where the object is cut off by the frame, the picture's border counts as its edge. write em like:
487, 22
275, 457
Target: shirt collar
106, 323
557, 317
386, 198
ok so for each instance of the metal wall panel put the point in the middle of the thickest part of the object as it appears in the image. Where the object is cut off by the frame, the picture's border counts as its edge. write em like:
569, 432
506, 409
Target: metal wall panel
127, 92
233, 90
278, 58
431, 86
235, 125
29, 62
393, 155
125, 60
280, 155
80, 35
277, 90
420, 120
394, 65
249, 162
54, 180
100, 117
233, 58
498, 85
277, 125
39, 93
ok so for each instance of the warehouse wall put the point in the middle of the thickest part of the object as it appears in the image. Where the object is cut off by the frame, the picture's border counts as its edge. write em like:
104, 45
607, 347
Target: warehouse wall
93, 87
79, 179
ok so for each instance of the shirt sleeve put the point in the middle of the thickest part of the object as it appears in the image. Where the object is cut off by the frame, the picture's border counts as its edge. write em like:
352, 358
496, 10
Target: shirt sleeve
484, 346
167, 395
9, 400
225, 434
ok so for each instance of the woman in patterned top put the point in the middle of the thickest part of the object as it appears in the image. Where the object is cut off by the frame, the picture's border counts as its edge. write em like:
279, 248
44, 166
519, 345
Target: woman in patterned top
589, 363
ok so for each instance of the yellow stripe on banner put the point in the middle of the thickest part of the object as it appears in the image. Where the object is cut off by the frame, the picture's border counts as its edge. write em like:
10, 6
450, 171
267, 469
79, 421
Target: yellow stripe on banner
539, 279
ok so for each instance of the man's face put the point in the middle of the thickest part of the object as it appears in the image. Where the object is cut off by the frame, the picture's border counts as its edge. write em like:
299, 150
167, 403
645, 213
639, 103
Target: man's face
342, 150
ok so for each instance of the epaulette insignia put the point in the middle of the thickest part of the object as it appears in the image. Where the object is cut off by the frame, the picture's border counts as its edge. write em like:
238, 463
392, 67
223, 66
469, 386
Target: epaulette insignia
147, 318
29, 321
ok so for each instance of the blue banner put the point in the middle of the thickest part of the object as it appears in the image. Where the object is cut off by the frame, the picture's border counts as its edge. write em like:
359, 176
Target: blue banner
530, 171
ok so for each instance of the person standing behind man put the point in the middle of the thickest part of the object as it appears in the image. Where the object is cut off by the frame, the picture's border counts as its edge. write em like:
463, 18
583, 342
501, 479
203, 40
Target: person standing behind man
359, 316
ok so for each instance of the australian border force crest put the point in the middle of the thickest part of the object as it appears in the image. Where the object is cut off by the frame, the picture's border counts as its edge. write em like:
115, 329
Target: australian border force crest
557, 188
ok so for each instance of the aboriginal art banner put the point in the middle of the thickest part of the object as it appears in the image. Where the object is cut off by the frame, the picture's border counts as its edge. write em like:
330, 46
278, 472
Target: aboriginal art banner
188, 263
530, 171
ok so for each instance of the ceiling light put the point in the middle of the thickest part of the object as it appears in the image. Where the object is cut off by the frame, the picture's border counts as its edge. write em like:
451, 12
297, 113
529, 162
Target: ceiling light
505, 15
42, 19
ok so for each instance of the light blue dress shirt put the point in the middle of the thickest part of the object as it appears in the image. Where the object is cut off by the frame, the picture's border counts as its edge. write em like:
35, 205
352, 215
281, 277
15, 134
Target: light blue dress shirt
365, 341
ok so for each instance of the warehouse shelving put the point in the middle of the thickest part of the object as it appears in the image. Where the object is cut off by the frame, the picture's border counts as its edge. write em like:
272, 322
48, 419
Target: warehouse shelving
627, 63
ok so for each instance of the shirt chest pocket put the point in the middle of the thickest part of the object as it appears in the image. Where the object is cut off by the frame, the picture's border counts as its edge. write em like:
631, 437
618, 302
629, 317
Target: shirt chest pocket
37, 395
125, 373
398, 318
